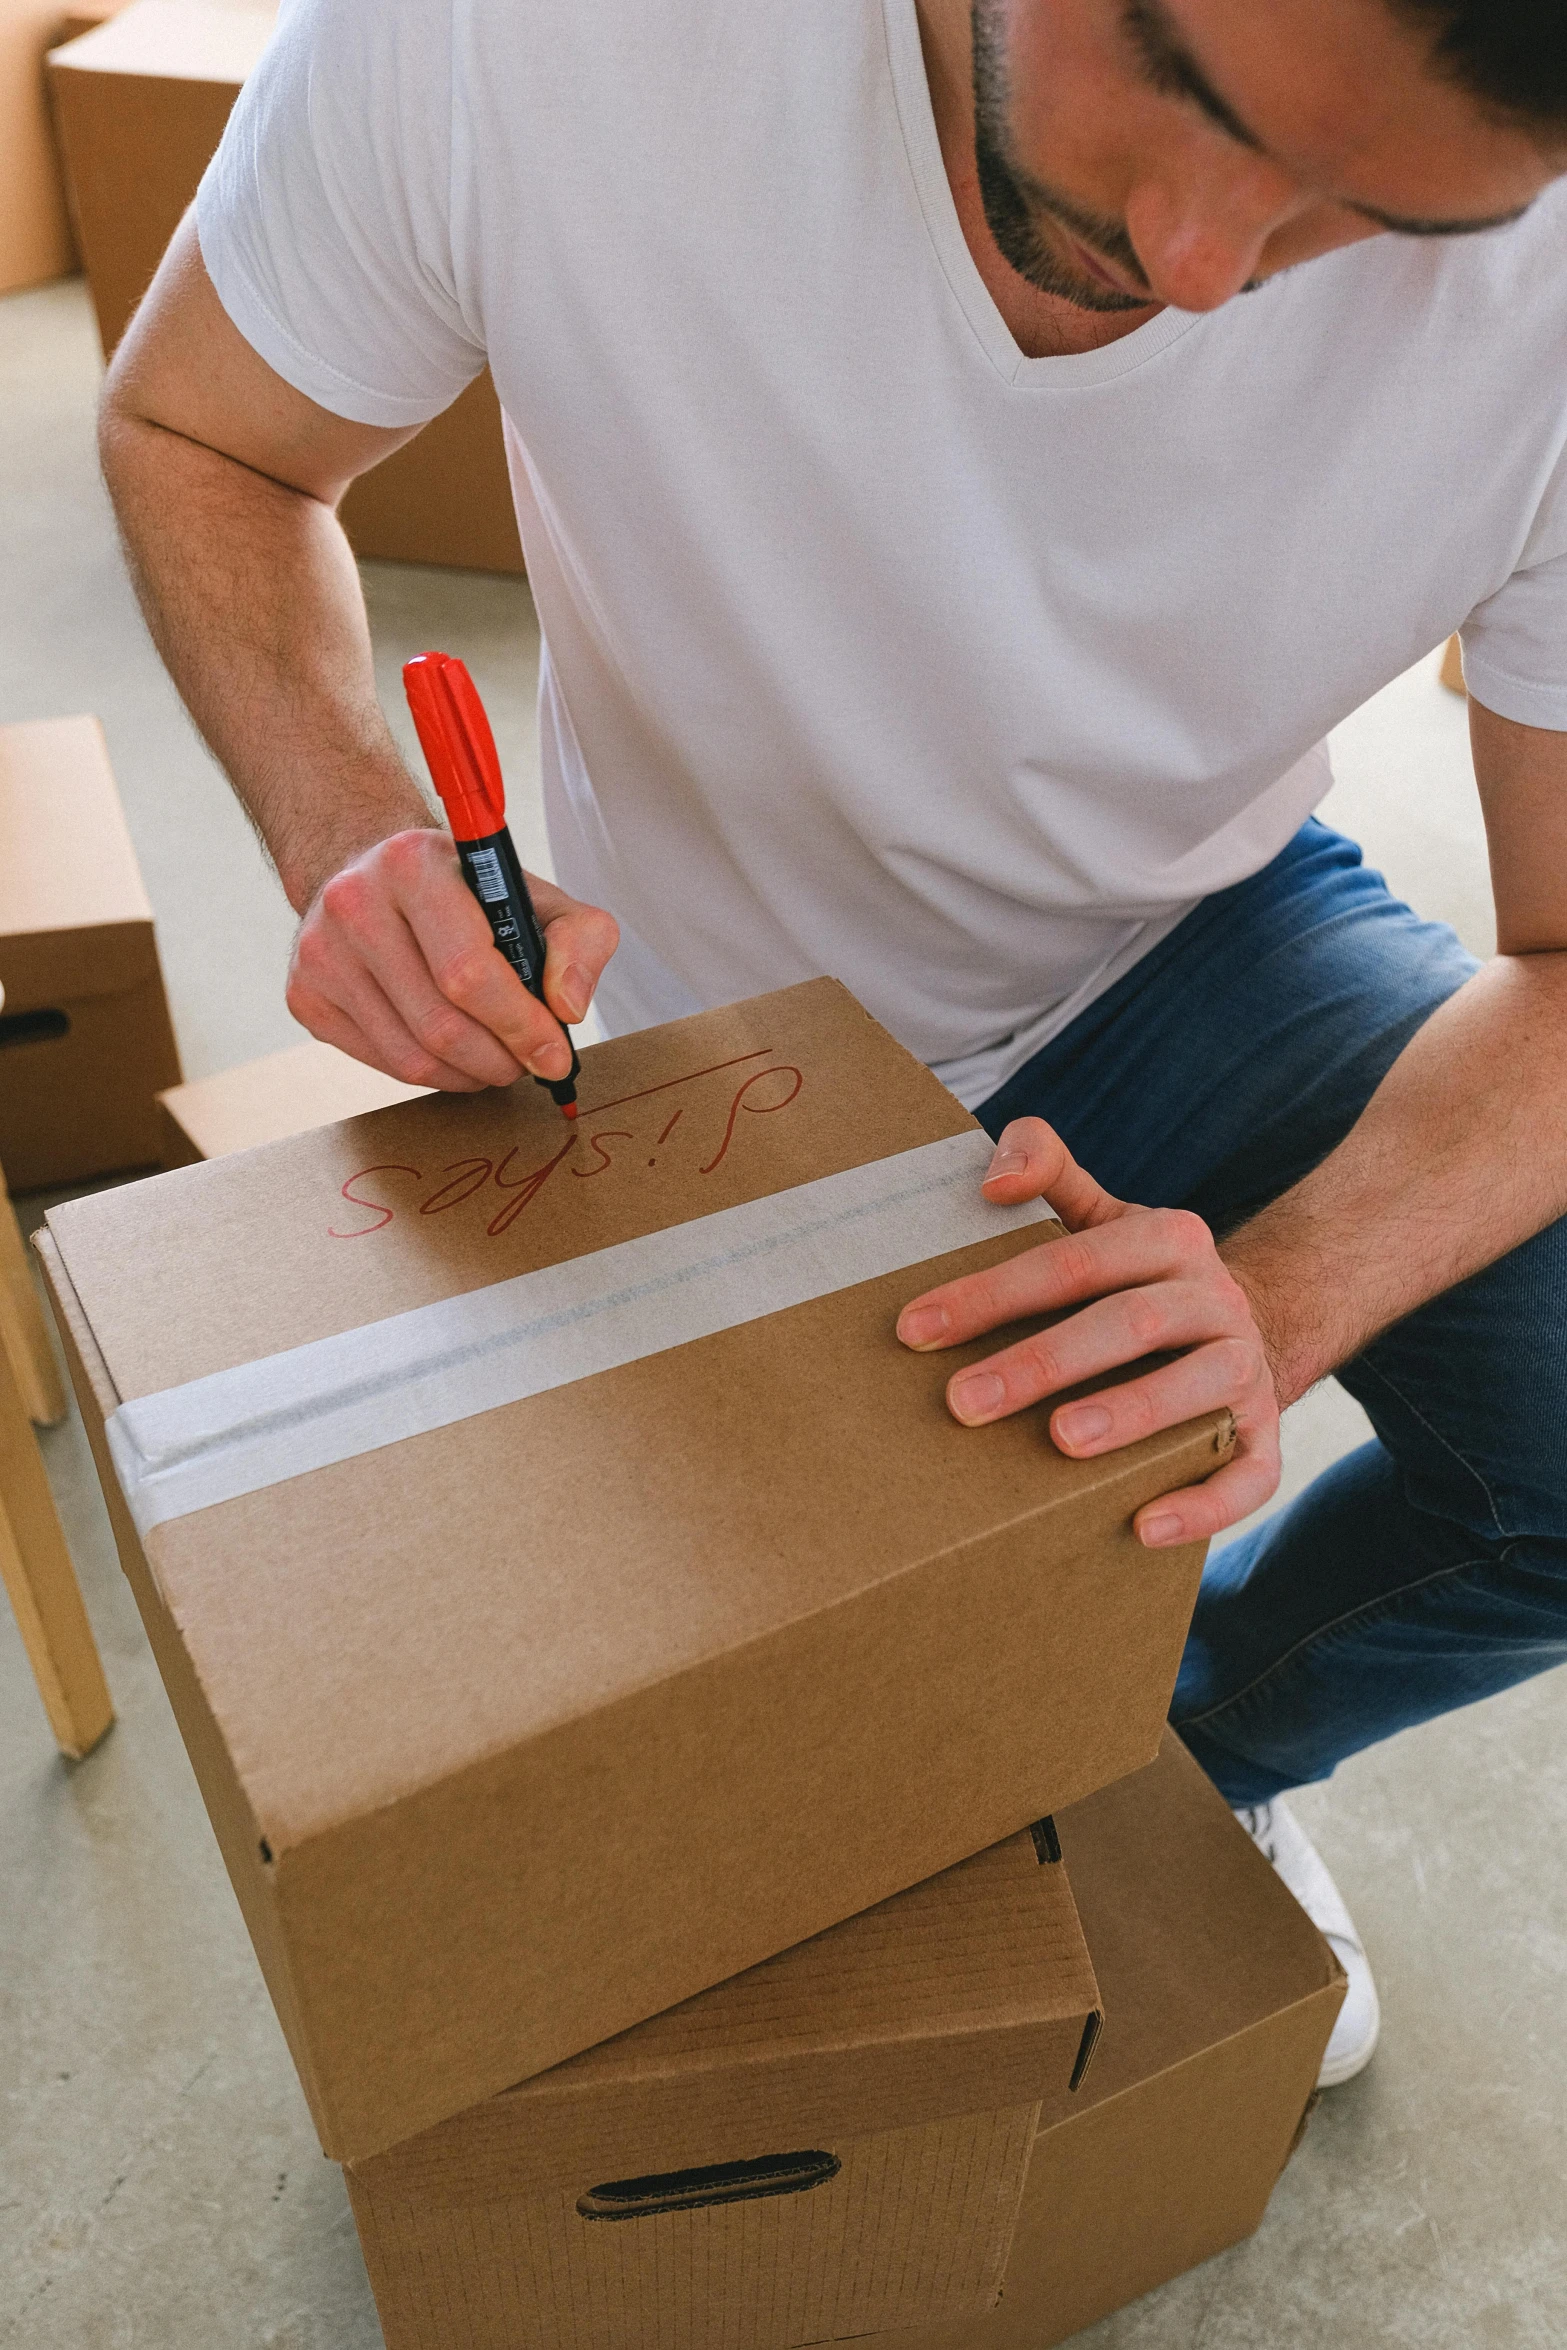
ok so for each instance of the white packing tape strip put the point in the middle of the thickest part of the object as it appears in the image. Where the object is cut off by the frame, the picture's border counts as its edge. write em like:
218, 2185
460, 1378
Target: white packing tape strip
264, 1422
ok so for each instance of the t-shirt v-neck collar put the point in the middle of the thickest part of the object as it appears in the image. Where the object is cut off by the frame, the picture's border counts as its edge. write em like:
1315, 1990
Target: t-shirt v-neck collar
1063, 371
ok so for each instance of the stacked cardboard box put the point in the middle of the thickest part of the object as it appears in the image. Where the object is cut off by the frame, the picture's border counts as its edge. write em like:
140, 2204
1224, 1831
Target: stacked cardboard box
580, 1608
85, 1039
140, 104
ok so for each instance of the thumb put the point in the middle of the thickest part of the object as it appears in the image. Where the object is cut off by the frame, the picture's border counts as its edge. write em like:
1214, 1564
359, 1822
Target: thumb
1032, 1162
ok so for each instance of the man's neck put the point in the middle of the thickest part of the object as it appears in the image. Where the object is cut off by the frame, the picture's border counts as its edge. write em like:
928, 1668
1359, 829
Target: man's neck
1042, 325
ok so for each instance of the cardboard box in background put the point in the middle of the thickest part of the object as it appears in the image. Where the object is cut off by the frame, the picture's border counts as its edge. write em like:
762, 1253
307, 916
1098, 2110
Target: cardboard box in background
832, 2144
305, 1085
85, 1038
519, 1730
35, 229
1219, 1998
140, 105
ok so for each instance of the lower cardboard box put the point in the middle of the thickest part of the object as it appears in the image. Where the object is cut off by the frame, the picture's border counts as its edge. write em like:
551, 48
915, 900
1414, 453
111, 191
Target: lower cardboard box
1219, 1998
831, 2144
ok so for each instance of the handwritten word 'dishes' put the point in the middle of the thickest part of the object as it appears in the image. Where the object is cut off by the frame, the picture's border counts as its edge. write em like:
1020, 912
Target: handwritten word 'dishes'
707, 1123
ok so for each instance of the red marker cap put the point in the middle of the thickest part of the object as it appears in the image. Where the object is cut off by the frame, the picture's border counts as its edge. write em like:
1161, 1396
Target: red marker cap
457, 742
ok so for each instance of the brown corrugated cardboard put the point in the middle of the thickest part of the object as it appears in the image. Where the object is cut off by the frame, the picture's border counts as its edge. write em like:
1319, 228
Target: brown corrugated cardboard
518, 1730
1219, 1997
85, 1039
445, 497
305, 1085
831, 2144
35, 232
140, 105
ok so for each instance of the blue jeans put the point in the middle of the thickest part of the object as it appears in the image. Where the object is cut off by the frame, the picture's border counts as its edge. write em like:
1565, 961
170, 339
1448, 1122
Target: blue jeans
1428, 1568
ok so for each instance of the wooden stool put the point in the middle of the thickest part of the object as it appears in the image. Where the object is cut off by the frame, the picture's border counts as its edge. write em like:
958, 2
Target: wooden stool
23, 1333
37, 1571
34, 1562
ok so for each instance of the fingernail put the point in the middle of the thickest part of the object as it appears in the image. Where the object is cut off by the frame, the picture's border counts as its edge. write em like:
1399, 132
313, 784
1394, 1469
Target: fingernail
922, 1325
1084, 1424
977, 1396
1009, 1159
550, 1061
1154, 1531
575, 991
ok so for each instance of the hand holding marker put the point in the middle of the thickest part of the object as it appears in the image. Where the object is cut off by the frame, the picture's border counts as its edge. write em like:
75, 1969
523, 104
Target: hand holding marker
466, 771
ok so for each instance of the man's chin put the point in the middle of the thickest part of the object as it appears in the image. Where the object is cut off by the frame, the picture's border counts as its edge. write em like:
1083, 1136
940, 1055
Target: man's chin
1086, 293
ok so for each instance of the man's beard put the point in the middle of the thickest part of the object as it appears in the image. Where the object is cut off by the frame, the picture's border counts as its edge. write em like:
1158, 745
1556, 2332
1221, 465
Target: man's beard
1012, 205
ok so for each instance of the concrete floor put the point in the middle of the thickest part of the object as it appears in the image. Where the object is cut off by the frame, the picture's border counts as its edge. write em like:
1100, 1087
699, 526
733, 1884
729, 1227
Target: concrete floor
160, 2187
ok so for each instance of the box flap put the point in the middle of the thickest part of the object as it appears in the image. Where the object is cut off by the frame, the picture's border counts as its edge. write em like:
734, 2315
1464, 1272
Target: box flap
305, 1085
1177, 1900
74, 917
173, 40
971, 1991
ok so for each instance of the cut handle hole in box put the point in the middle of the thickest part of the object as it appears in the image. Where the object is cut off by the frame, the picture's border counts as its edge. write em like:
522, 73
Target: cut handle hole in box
33, 1027
713, 2182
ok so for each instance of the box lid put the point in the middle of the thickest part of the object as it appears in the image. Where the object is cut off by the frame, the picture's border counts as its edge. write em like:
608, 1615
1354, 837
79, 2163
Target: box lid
173, 40
971, 1992
74, 917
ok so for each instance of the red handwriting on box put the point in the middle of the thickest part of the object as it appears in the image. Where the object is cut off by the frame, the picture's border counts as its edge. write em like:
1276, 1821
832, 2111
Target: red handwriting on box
699, 1115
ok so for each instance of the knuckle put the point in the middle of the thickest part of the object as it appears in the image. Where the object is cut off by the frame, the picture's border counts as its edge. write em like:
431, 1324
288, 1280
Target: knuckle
345, 900
1040, 1365
1072, 1260
1147, 1324
1186, 1232
440, 1029
312, 959
405, 854
1133, 1414
979, 1301
461, 974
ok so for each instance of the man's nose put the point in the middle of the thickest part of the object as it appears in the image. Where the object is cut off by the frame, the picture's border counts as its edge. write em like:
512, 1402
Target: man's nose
1200, 239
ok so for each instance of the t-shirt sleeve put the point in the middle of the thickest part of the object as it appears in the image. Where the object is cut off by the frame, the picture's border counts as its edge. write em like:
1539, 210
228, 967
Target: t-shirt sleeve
325, 217
1515, 642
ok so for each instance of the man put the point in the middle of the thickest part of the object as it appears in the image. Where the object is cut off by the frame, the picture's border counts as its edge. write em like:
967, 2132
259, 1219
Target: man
966, 463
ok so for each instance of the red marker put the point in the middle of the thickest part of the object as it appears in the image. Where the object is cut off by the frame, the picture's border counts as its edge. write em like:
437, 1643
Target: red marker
466, 771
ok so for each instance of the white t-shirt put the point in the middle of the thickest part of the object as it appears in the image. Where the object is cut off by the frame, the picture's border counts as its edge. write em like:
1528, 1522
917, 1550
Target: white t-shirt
875, 648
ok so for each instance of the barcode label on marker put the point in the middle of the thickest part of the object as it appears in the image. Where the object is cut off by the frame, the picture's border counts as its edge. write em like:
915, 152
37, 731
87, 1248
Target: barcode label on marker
485, 866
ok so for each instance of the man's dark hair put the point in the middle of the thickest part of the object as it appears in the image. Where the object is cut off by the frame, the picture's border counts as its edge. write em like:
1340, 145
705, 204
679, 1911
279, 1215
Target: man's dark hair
1510, 54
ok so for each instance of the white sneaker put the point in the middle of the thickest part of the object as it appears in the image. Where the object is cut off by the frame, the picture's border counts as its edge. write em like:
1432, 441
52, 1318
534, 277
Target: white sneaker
1281, 1839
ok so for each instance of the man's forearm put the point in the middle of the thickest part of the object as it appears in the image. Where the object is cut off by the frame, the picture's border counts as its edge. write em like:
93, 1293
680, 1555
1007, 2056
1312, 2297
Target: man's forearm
252, 596
1459, 1156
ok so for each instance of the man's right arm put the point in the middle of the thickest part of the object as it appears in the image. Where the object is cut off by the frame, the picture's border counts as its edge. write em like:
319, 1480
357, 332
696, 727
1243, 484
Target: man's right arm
225, 480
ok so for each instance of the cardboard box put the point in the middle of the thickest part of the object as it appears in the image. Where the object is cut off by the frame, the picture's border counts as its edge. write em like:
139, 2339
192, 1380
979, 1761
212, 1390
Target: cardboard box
140, 105
305, 1085
562, 1707
85, 1037
1219, 1998
832, 2144
35, 231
